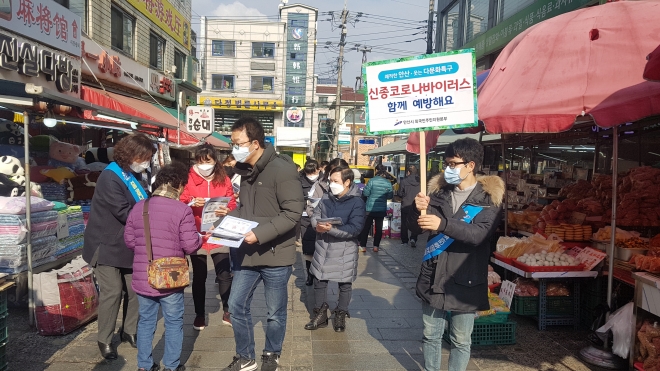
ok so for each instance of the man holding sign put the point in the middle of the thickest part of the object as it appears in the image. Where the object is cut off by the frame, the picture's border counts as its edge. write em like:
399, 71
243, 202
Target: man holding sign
461, 213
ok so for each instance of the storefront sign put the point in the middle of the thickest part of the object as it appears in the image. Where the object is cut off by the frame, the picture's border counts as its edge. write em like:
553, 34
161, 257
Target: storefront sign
344, 139
165, 16
27, 61
113, 67
241, 104
42, 20
295, 92
161, 85
270, 140
294, 114
292, 137
433, 91
500, 35
200, 119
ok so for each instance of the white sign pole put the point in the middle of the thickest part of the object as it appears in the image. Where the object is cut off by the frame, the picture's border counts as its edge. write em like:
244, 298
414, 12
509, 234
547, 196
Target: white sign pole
422, 163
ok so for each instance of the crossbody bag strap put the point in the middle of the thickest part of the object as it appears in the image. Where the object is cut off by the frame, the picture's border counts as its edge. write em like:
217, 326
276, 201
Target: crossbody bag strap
147, 230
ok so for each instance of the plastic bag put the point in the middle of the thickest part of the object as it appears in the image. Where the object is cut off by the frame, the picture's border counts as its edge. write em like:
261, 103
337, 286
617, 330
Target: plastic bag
621, 324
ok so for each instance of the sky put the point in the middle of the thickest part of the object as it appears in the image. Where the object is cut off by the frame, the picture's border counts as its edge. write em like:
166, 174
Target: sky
380, 27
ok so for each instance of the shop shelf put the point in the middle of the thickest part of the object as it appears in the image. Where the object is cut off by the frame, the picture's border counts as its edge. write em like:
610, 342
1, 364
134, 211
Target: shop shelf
491, 333
529, 305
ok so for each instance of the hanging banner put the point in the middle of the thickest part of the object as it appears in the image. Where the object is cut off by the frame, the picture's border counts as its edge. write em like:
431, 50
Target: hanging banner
241, 104
165, 16
426, 92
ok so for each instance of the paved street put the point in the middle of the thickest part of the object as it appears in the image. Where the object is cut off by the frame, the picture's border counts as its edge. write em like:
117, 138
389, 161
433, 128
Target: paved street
384, 331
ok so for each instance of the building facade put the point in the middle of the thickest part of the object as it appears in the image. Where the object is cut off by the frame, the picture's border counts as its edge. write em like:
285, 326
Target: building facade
262, 69
488, 25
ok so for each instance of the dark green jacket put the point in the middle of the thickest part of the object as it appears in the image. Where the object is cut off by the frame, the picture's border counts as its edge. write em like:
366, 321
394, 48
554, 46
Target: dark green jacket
271, 194
377, 192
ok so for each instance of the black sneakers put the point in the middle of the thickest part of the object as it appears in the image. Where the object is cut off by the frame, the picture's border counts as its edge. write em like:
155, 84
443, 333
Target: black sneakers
270, 361
241, 364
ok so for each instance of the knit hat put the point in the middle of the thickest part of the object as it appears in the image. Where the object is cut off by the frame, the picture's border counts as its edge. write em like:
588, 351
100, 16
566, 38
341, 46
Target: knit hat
357, 175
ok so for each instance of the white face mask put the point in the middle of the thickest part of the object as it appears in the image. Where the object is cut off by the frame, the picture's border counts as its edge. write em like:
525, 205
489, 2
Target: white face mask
241, 154
336, 188
205, 170
313, 177
139, 167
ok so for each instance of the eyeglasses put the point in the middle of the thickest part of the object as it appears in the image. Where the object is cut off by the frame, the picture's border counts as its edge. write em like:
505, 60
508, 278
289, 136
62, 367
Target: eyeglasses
236, 146
452, 165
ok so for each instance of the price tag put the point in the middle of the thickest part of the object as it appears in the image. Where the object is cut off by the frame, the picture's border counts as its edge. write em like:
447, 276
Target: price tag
577, 218
507, 290
62, 227
590, 258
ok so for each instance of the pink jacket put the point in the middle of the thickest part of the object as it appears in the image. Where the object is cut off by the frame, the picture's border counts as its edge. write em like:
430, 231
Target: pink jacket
173, 234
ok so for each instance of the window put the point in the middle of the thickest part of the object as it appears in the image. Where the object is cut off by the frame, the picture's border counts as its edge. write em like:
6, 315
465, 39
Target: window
260, 83
507, 8
263, 50
180, 63
323, 117
323, 101
296, 91
299, 23
450, 24
297, 56
222, 82
77, 7
477, 18
156, 51
193, 44
122, 28
223, 48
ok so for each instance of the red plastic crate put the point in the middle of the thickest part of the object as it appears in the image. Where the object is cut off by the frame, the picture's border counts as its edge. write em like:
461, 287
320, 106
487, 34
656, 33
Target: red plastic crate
503, 258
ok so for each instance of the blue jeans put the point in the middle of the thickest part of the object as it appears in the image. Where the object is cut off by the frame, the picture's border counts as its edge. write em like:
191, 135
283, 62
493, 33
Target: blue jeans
460, 335
245, 282
172, 306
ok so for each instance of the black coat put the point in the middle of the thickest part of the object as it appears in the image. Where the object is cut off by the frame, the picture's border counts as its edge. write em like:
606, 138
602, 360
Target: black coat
308, 234
271, 195
408, 189
111, 204
457, 279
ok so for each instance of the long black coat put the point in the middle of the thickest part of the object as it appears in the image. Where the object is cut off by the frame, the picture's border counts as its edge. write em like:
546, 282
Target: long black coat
457, 279
111, 204
308, 234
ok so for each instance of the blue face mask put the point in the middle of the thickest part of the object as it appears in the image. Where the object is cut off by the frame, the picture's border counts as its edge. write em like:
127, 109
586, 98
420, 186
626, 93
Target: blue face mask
453, 176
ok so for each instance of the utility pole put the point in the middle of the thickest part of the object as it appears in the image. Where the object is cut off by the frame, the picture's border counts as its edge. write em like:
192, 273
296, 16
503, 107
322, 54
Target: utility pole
358, 86
340, 61
429, 28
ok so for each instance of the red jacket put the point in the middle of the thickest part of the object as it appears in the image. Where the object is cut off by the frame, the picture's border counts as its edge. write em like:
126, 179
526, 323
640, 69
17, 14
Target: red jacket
200, 187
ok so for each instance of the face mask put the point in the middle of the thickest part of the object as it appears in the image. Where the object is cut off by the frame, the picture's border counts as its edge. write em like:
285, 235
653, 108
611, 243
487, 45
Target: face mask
139, 167
453, 176
205, 169
313, 177
336, 189
241, 154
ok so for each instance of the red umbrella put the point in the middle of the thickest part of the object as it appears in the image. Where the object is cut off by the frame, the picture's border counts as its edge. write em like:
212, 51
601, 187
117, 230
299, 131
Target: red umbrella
652, 69
585, 62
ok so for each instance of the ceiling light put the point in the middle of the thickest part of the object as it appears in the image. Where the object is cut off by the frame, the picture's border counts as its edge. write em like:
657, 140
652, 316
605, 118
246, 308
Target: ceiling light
49, 120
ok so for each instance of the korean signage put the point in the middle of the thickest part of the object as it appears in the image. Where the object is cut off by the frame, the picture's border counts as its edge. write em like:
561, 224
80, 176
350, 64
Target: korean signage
242, 104
44, 21
163, 14
200, 119
296, 68
161, 85
112, 66
500, 35
433, 91
26, 61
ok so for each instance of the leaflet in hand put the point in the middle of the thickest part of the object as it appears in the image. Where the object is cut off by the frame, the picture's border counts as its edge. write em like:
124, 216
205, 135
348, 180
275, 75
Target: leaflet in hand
208, 213
333, 221
231, 231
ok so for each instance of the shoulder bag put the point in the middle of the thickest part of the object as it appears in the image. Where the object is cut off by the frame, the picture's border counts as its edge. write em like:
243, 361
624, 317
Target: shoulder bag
163, 273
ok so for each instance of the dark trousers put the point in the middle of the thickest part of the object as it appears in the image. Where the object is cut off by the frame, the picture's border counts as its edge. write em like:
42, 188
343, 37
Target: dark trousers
115, 285
200, 271
321, 294
371, 218
405, 215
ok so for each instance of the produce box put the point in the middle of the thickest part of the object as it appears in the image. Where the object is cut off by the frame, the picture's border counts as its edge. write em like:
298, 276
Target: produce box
489, 333
529, 305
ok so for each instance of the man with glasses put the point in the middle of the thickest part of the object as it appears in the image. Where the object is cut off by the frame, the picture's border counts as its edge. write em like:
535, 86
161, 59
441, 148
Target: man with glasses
271, 194
462, 213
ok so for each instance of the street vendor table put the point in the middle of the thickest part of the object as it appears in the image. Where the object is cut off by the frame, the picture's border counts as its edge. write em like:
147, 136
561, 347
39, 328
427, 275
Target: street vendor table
543, 318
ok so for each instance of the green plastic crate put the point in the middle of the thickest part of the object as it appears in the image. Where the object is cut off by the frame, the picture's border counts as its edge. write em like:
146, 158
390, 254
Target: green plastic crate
3, 328
3, 357
529, 305
491, 333
499, 317
3, 302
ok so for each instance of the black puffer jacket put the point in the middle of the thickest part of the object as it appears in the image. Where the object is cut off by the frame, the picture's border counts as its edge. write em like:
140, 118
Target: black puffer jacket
271, 195
457, 279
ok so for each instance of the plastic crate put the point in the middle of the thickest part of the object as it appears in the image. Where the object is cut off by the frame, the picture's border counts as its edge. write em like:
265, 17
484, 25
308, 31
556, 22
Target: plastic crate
491, 333
529, 305
499, 317
3, 328
3, 302
3, 357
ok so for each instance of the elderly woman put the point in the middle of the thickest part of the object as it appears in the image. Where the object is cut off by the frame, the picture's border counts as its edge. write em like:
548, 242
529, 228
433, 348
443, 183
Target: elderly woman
117, 191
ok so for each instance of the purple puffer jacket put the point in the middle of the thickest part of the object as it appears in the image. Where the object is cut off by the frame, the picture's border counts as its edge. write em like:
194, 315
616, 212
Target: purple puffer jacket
173, 234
